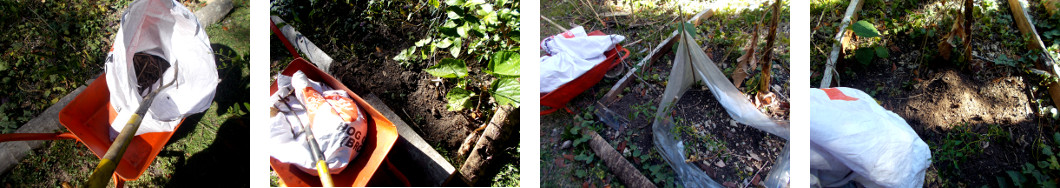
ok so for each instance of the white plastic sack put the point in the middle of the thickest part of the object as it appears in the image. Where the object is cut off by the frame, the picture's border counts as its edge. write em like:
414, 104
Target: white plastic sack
571, 54
850, 132
166, 29
337, 123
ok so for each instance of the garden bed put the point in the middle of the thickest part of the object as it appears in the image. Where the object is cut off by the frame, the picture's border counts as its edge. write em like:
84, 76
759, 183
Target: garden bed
731, 153
981, 117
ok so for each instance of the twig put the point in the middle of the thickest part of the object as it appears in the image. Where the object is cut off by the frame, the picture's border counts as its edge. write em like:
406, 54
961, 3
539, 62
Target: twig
591, 8
632, 43
553, 23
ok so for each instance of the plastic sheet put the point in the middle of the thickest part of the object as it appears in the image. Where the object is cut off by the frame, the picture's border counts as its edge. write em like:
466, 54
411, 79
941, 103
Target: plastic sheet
780, 176
691, 65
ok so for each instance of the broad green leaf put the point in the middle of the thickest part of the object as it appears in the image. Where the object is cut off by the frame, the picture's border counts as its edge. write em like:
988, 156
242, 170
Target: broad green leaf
1046, 149
449, 68
406, 54
455, 49
882, 52
1056, 138
864, 55
687, 27
473, 2
462, 30
454, 12
691, 29
1053, 164
423, 42
458, 99
1017, 178
444, 43
865, 29
505, 63
1002, 59
506, 91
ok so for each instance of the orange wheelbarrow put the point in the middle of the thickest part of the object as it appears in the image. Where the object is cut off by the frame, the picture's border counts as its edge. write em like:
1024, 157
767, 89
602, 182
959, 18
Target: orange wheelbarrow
88, 117
365, 169
558, 99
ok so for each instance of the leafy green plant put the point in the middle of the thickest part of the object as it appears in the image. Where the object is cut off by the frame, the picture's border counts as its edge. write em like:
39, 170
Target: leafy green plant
1041, 174
582, 121
659, 173
874, 48
474, 36
473, 27
509, 173
960, 144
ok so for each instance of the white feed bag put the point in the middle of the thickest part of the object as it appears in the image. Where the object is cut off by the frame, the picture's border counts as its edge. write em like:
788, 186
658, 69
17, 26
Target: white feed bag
571, 54
338, 124
850, 132
166, 29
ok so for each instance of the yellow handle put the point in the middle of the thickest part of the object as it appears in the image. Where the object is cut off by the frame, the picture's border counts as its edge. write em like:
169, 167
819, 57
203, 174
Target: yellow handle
101, 175
325, 177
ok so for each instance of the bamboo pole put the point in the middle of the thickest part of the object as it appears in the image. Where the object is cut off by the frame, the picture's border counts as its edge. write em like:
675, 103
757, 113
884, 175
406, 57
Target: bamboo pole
1026, 26
767, 59
662, 49
840, 38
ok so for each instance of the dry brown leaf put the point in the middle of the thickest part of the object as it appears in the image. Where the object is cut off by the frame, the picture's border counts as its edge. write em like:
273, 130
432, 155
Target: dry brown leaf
747, 60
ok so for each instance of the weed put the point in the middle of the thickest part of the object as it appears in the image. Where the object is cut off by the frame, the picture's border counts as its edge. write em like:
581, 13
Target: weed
509, 174
1042, 174
961, 143
646, 109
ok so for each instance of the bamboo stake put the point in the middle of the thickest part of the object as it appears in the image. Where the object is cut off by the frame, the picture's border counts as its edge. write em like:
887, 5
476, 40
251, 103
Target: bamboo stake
850, 15
767, 59
662, 49
1027, 28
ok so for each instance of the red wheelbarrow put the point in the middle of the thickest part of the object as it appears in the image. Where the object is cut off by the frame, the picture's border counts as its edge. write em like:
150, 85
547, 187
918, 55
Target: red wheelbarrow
557, 99
364, 170
88, 117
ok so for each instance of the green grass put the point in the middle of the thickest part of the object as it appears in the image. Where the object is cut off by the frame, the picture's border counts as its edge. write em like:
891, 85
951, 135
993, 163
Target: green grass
207, 147
47, 49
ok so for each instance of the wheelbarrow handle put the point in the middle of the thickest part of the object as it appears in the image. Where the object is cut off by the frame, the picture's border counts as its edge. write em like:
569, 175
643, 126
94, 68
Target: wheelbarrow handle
36, 136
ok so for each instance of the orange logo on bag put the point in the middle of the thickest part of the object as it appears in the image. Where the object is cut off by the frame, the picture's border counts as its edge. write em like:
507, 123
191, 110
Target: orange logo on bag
568, 34
347, 110
313, 100
836, 94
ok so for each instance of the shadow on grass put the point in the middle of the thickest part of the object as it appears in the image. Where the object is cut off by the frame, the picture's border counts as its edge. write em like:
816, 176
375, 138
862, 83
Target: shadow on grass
223, 162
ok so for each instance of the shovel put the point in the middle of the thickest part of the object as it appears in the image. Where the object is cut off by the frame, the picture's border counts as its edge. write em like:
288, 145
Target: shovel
102, 174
